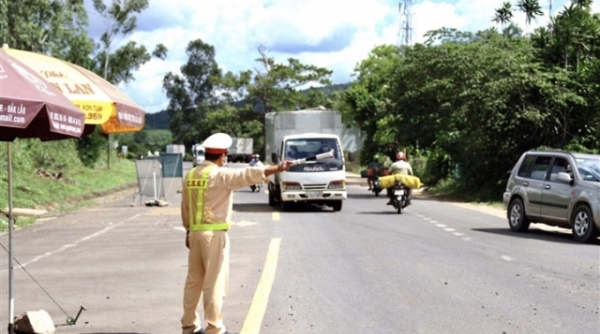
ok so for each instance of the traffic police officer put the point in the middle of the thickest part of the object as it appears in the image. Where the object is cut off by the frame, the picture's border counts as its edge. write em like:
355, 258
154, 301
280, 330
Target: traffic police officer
206, 207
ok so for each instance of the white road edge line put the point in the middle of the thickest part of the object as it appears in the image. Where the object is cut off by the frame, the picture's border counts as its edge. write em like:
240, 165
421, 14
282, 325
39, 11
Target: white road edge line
86, 238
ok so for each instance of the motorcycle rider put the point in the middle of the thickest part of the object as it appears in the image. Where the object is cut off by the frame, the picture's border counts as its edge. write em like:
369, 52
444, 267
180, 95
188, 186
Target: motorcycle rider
372, 172
255, 162
400, 166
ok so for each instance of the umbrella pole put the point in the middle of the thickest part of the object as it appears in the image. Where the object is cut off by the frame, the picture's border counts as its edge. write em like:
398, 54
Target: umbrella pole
108, 151
11, 300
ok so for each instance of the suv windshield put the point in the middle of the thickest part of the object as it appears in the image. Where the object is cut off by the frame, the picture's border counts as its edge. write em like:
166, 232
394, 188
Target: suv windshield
589, 169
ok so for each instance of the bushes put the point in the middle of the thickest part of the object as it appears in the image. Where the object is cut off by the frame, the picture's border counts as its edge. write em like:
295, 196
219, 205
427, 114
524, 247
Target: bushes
89, 147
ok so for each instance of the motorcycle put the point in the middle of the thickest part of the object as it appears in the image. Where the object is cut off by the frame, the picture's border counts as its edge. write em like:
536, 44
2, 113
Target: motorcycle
376, 187
256, 187
256, 163
401, 199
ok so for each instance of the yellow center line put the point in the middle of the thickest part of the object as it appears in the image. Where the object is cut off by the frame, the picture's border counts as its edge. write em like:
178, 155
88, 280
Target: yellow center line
253, 321
275, 215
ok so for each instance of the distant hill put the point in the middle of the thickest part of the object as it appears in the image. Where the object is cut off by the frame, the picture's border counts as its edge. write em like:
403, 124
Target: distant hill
157, 121
328, 90
160, 120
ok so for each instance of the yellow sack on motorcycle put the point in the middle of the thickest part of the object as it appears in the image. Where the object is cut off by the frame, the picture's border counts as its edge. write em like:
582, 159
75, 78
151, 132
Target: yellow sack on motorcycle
409, 181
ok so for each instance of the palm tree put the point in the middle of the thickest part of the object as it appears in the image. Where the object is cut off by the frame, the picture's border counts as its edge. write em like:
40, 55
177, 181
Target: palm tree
532, 9
582, 4
503, 15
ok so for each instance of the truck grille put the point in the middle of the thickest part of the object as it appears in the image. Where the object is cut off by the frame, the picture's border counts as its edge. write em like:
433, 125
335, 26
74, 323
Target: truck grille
316, 186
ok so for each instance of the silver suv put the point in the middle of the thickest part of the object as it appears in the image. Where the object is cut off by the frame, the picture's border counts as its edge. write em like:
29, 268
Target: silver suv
555, 188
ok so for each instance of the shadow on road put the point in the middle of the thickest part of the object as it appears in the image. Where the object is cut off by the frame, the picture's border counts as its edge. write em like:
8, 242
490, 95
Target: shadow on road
382, 212
264, 207
252, 207
366, 195
562, 237
302, 207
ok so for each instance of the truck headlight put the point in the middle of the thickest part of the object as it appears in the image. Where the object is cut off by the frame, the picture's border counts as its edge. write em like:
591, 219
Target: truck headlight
339, 184
292, 186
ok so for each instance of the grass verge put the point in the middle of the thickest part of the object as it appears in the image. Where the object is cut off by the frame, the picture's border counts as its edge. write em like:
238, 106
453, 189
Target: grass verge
49, 176
447, 190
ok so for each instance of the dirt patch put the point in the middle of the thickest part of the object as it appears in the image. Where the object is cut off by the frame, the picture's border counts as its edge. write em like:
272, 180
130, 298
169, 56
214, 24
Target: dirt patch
483, 208
490, 210
96, 197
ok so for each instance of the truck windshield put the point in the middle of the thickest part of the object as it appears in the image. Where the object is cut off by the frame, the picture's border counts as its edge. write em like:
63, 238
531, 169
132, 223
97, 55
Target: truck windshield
309, 148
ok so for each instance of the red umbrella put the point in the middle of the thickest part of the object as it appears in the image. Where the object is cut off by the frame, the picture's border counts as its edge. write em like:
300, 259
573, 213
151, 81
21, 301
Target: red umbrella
30, 107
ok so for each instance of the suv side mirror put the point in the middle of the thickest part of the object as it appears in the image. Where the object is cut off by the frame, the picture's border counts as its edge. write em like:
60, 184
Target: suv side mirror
564, 177
275, 158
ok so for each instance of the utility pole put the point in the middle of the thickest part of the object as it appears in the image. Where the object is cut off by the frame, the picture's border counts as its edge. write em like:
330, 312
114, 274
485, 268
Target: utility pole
406, 30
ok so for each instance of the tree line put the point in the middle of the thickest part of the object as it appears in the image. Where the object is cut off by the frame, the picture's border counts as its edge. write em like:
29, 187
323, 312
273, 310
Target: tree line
466, 104
59, 28
204, 100
471, 103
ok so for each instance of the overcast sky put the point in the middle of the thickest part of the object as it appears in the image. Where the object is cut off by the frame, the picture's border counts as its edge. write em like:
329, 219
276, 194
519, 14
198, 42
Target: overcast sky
335, 34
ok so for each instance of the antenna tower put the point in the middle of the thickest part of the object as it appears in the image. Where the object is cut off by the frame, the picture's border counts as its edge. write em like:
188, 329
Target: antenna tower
406, 30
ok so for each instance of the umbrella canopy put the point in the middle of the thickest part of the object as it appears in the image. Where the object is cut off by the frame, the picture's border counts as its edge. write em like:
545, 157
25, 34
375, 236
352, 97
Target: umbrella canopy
31, 107
102, 102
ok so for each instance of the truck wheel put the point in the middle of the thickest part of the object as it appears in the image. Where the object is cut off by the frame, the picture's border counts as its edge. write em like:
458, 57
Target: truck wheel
336, 205
271, 190
284, 206
272, 201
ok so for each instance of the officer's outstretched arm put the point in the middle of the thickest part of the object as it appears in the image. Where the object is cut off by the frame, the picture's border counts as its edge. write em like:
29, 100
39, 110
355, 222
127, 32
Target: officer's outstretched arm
283, 166
239, 178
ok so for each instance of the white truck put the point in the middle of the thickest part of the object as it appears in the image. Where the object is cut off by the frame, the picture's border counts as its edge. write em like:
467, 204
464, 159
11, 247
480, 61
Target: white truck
173, 148
314, 182
241, 150
292, 135
198, 154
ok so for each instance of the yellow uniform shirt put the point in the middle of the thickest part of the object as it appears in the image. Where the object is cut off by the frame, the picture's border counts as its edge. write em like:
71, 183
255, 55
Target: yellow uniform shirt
219, 194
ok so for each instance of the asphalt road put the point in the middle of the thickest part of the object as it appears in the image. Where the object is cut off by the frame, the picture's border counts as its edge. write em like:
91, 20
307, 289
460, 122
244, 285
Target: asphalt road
436, 268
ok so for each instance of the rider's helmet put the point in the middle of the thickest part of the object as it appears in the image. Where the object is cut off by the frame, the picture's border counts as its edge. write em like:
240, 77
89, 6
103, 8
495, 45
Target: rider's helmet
257, 156
401, 156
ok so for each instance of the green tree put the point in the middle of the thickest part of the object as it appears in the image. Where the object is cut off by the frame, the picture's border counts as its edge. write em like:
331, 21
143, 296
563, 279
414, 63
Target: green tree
274, 85
56, 28
478, 100
503, 15
89, 147
532, 9
120, 21
366, 100
191, 94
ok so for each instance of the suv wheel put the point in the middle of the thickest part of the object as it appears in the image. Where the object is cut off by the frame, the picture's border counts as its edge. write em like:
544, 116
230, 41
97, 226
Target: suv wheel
337, 205
517, 220
582, 224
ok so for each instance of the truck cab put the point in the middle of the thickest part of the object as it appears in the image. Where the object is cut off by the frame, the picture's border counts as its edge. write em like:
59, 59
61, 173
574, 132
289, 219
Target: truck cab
198, 153
320, 182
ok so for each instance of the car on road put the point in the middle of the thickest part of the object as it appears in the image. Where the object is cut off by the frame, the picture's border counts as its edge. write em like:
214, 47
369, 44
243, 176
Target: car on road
556, 188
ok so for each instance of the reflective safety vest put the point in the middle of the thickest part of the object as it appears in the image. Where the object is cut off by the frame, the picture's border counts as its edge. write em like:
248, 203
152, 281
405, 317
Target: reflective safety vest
200, 185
